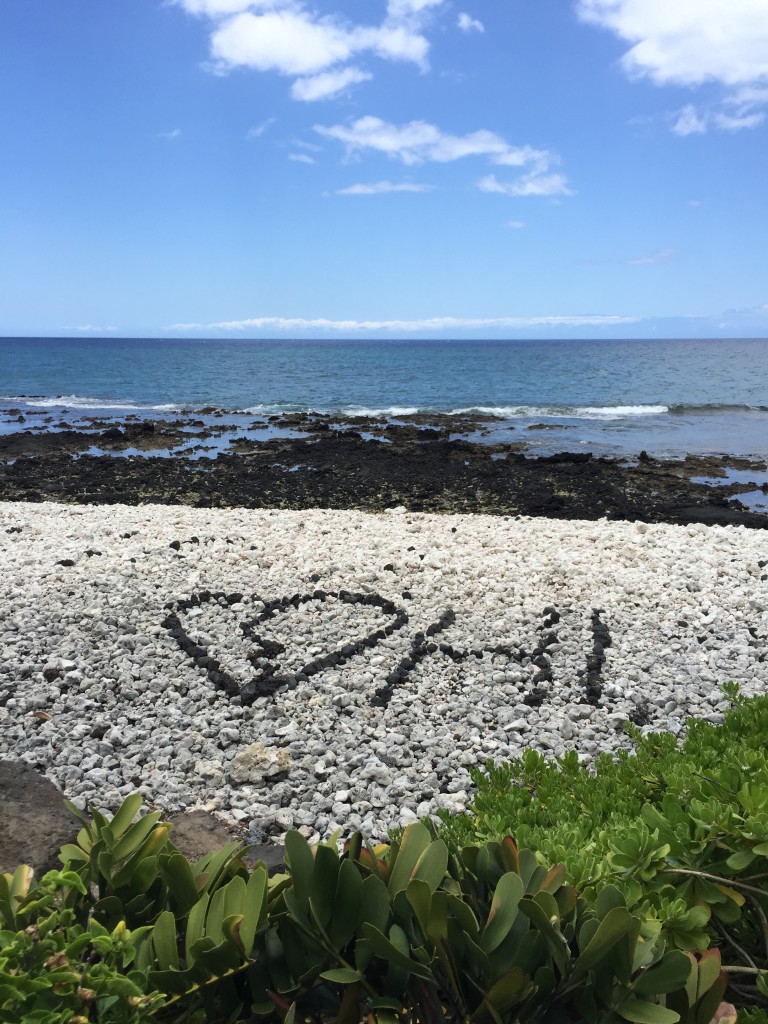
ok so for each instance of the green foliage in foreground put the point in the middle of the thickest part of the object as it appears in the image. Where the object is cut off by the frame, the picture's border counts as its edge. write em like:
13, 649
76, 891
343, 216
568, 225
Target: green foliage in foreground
660, 855
681, 832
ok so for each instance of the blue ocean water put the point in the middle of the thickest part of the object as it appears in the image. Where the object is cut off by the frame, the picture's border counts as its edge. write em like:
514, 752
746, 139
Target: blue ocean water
613, 397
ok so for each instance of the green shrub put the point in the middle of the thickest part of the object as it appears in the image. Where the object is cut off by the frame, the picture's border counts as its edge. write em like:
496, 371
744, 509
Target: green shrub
681, 832
612, 903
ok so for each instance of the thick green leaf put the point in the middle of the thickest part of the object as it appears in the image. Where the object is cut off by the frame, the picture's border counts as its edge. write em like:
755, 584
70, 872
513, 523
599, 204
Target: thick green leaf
531, 872
477, 956
139, 906
437, 925
282, 980
386, 1003
290, 1017
707, 1006
325, 876
177, 983
503, 912
342, 975
346, 908
640, 1012
109, 907
222, 906
164, 941
668, 975
506, 993
298, 856
554, 879
375, 905
419, 896
545, 980
608, 899
741, 859
632, 953
293, 907
7, 909
462, 912
144, 875
84, 837
416, 839
432, 864
254, 907
612, 929
709, 968
126, 813
69, 853
538, 910
152, 844
210, 870
230, 929
217, 958
180, 881
509, 854
234, 896
195, 925
388, 951
135, 836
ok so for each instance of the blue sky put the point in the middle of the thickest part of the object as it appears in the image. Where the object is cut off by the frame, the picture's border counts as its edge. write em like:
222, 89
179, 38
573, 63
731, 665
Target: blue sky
484, 168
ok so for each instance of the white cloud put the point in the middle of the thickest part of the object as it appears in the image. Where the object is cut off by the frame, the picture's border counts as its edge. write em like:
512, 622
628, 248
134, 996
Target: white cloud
733, 116
379, 187
174, 133
660, 256
735, 123
691, 43
301, 158
689, 122
438, 323
535, 183
748, 97
220, 8
285, 41
516, 224
687, 42
394, 42
290, 38
404, 8
418, 141
408, 8
90, 329
258, 130
328, 84
469, 24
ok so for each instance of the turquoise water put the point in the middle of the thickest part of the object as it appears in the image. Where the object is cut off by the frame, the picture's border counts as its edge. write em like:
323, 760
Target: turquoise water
667, 396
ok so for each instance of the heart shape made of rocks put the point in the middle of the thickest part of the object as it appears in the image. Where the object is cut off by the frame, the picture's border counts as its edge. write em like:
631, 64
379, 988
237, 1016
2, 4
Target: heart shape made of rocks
276, 656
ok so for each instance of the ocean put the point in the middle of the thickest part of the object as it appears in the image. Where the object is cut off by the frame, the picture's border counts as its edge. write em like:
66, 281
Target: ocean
668, 397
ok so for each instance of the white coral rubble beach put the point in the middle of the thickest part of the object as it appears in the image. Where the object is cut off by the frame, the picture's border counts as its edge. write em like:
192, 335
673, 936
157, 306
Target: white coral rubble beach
331, 669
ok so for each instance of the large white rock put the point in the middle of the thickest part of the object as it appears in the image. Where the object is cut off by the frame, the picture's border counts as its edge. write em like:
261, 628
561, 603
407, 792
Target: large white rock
257, 761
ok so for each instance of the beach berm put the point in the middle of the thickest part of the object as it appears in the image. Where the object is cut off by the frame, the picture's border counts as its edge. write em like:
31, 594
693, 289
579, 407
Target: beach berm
322, 669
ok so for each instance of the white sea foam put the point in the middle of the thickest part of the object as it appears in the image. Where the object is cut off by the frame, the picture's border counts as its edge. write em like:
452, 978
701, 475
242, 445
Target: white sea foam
346, 410
392, 410
616, 411
83, 402
503, 411
574, 412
